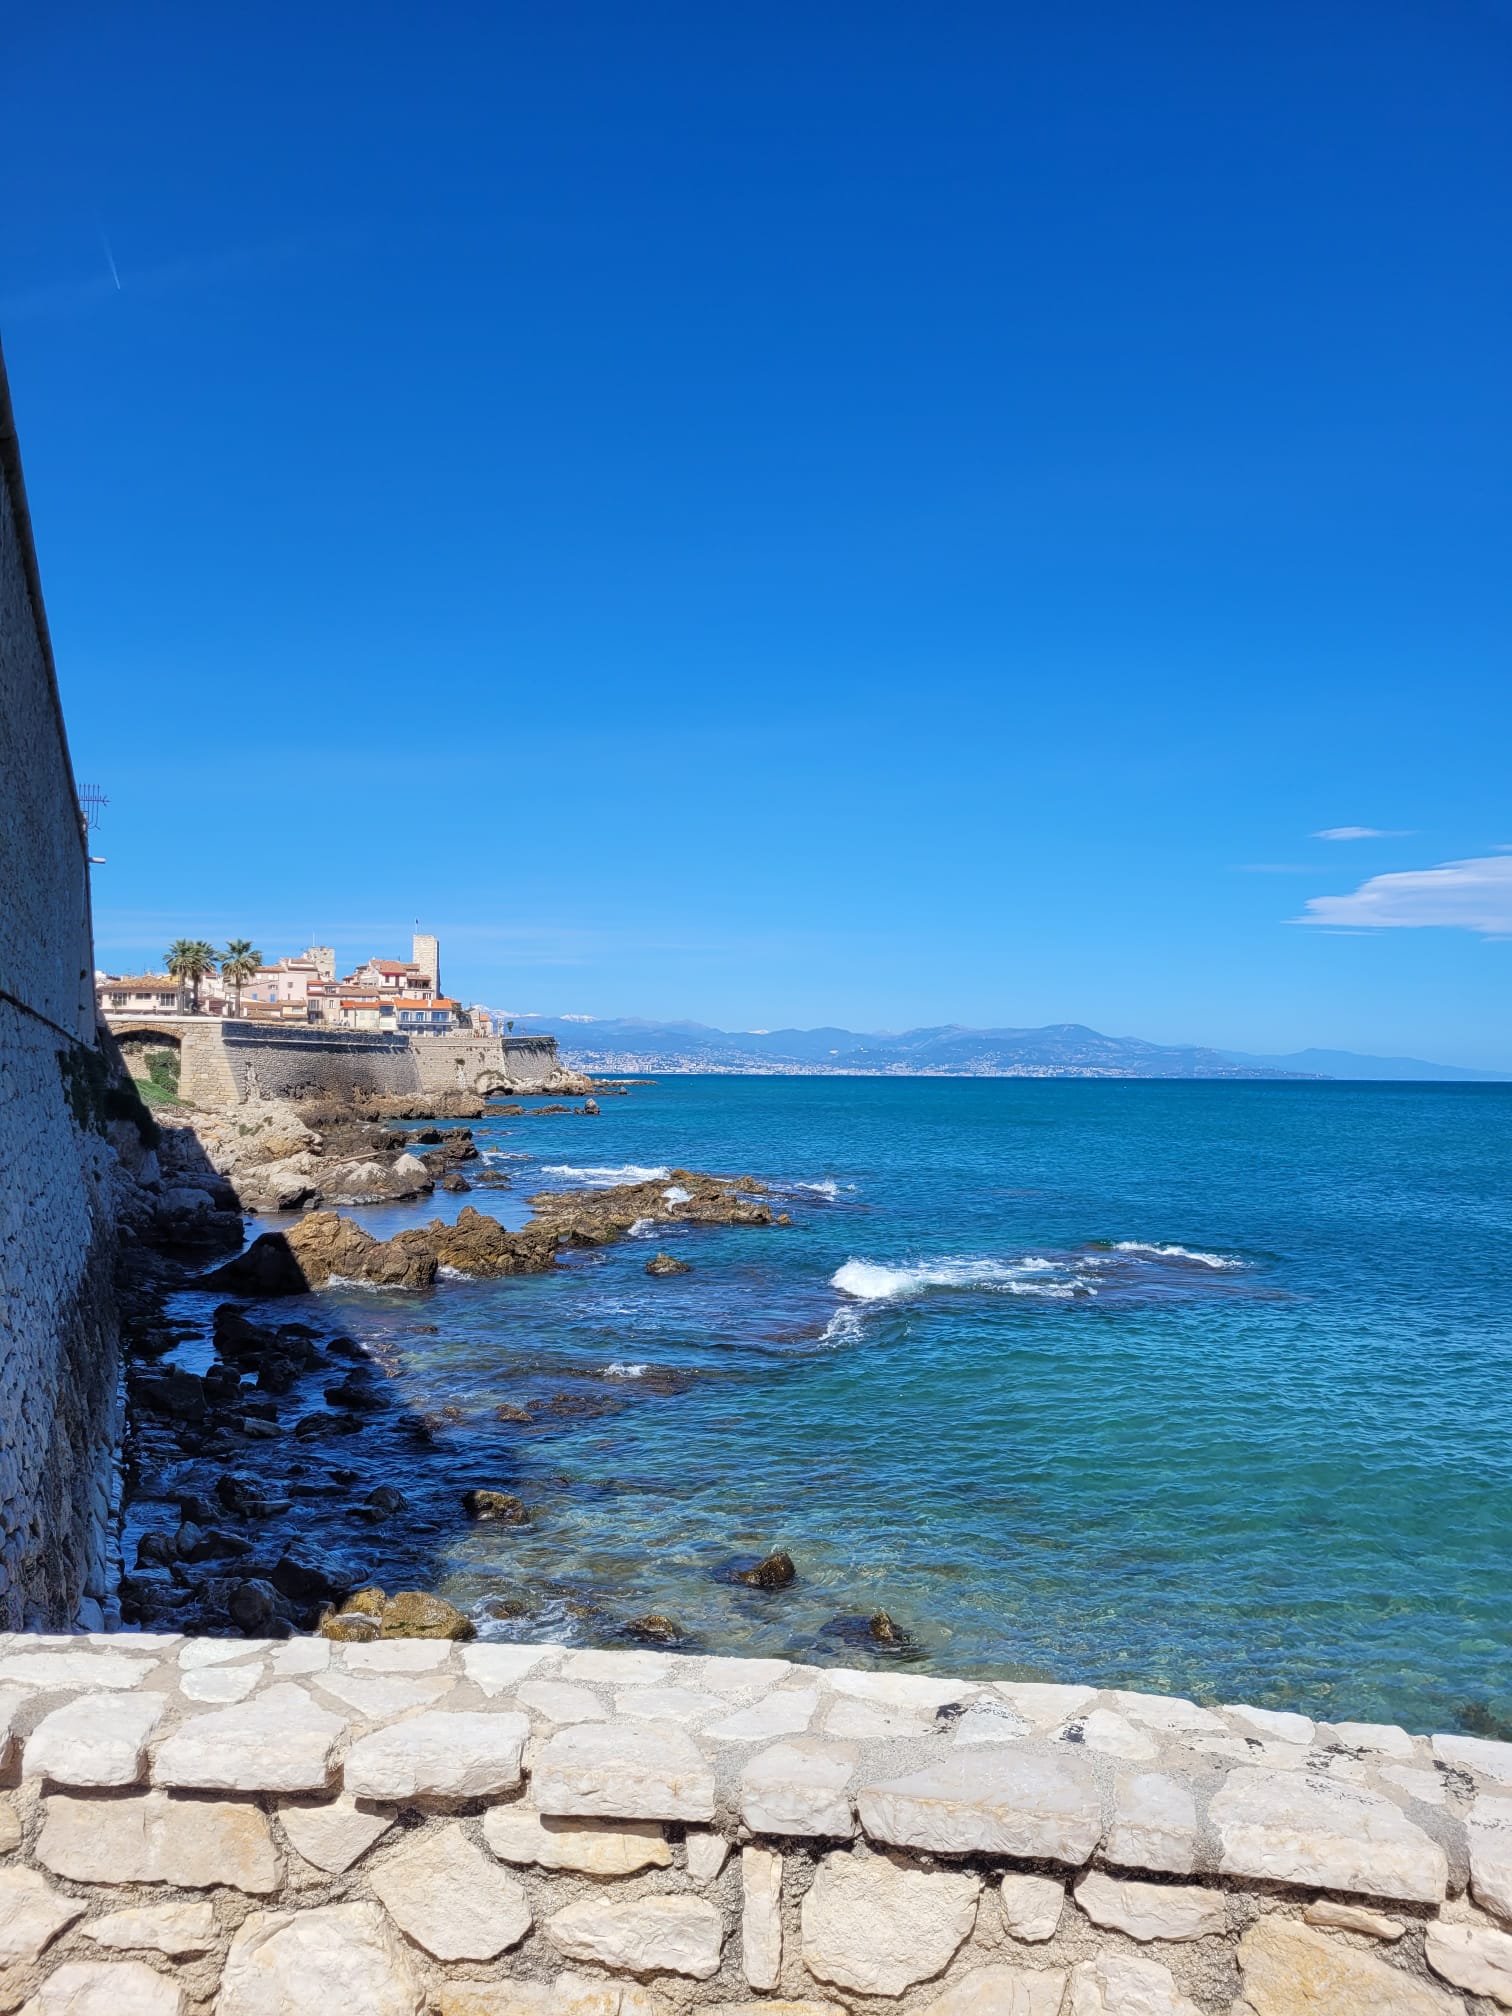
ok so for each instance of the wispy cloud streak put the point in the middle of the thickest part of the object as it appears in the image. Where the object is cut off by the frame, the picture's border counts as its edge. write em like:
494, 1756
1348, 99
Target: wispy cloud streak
1473, 895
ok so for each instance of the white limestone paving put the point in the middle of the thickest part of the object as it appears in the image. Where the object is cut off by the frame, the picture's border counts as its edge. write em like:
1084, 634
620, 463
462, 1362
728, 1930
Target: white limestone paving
271, 1828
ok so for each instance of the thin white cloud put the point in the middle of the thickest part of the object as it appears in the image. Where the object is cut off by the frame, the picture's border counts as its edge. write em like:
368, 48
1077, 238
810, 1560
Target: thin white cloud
1364, 833
1474, 895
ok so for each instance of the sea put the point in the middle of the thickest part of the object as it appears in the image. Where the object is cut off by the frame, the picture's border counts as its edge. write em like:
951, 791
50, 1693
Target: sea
1200, 1387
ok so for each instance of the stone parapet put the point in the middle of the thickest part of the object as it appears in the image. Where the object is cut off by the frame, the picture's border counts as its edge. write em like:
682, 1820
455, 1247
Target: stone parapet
495, 1829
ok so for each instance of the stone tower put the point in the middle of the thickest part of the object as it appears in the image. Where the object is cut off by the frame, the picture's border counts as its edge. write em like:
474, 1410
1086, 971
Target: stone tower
426, 953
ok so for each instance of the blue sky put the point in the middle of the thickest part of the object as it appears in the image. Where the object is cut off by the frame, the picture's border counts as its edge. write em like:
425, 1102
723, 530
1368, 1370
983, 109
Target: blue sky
867, 514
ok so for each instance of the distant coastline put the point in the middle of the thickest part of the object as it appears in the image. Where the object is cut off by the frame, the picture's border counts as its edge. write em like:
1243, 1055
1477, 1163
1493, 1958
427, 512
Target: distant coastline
1060, 1050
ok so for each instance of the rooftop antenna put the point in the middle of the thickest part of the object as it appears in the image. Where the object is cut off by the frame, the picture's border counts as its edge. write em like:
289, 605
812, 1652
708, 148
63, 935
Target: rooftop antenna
92, 802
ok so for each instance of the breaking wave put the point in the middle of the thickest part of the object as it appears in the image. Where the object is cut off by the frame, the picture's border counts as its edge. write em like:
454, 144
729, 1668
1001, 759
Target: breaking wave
619, 1370
870, 1281
605, 1179
1193, 1254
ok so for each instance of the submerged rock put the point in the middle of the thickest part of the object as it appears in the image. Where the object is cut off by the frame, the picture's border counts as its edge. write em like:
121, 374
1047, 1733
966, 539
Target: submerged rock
666, 1263
881, 1627
775, 1572
499, 1506
654, 1629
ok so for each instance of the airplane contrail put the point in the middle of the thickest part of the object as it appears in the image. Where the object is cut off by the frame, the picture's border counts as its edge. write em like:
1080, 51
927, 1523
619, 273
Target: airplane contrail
109, 258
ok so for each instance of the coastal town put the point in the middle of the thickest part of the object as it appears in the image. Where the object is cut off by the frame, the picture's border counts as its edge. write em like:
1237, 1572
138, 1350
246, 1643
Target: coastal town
387, 996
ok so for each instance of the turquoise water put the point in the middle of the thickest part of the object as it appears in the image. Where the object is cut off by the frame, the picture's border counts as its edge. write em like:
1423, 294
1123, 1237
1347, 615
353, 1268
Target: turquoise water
1273, 1467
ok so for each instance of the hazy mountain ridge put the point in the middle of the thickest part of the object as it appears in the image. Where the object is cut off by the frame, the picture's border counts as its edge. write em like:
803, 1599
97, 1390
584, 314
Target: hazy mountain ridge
1060, 1050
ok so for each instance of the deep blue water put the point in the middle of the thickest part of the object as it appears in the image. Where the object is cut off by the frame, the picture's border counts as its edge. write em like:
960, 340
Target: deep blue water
1274, 1467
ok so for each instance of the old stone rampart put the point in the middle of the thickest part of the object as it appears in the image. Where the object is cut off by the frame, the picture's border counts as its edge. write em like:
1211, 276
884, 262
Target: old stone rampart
229, 1062
57, 1329
303, 1827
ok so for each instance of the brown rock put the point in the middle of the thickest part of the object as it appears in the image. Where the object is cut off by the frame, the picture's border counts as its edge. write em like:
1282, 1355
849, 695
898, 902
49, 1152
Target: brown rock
411, 1613
775, 1572
498, 1506
661, 1264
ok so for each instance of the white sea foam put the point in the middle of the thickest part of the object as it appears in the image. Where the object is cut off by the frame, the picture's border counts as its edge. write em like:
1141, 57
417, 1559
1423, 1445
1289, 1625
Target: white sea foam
844, 1327
621, 1371
605, 1179
828, 1189
643, 1228
676, 1194
452, 1274
1175, 1253
870, 1281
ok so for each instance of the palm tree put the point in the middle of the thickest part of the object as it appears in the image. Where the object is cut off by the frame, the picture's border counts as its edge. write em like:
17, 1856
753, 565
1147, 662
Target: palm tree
238, 963
191, 959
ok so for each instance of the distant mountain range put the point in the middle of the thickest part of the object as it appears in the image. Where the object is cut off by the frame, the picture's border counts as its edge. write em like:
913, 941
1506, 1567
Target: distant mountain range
1063, 1050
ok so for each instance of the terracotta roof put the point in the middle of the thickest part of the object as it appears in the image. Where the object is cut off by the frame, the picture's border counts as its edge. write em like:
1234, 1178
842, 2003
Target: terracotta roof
159, 983
393, 966
425, 1001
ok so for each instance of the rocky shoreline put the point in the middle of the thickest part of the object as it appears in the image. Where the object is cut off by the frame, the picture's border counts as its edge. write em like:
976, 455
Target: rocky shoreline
265, 1493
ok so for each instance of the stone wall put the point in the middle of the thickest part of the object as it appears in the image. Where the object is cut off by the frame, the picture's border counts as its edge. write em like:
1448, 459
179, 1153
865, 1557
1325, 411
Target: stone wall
304, 1828
227, 1062
57, 1329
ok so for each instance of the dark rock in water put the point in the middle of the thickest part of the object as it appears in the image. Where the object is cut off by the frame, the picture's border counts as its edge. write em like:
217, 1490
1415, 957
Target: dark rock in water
783, 1218
259, 1430
591, 1106
155, 1549
505, 1606
452, 1181
348, 1347
775, 1572
198, 1543
307, 1575
427, 1137
383, 1502
498, 1506
250, 1605
667, 1263
654, 1629
355, 1393
175, 1392
196, 1509
222, 1384
236, 1336
490, 1179
506, 1412
881, 1627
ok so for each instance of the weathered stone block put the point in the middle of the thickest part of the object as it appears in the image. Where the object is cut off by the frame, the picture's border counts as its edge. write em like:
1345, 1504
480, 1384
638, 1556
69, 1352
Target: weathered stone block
522, 1834
649, 1935
326, 1962
279, 1741
449, 1898
1474, 1958
800, 1788
1154, 1824
1126, 1984
761, 1917
335, 1833
439, 1755
193, 1844
1289, 1828
1006, 1801
1288, 1970
878, 1929
1148, 1911
95, 1740
1031, 1906
1003, 1991
607, 1769
106, 1988
32, 1914
179, 1930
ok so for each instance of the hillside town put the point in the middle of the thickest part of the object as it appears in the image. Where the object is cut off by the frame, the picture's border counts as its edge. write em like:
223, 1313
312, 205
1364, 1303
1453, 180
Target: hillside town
389, 996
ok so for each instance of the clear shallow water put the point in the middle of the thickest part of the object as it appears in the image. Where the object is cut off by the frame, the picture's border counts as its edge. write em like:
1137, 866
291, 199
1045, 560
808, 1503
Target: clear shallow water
1201, 1388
